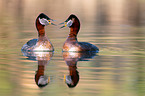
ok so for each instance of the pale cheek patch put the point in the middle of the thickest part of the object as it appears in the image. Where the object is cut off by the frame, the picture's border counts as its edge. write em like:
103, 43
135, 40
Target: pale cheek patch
43, 21
69, 23
43, 80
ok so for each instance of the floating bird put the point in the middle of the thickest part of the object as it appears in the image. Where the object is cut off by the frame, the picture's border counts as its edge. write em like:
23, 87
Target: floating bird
71, 43
42, 43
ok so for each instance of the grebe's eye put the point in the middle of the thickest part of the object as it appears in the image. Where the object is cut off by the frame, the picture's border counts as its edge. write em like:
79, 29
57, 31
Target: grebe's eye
69, 23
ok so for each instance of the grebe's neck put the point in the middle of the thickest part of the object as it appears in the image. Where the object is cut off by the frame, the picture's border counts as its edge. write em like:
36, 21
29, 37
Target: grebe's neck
74, 29
41, 66
40, 71
40, 28
73, 32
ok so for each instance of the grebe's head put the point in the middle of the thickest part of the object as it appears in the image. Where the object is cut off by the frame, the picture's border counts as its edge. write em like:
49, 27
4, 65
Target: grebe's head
42, 81
44, 19
72, 81
72, 21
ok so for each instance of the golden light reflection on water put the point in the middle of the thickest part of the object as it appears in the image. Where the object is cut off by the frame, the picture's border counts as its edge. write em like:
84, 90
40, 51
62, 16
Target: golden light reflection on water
116, 27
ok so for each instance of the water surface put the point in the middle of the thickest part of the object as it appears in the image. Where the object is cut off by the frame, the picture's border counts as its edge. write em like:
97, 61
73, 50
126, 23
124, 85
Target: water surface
117, 70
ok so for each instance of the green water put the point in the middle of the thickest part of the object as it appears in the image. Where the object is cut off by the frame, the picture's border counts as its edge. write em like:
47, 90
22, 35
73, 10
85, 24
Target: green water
117, 70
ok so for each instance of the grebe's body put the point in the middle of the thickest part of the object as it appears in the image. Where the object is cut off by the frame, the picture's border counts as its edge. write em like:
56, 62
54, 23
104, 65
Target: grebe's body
42, 43
71, 43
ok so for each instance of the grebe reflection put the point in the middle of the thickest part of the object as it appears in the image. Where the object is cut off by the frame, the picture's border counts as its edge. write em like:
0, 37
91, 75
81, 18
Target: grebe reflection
71, 59
43, 59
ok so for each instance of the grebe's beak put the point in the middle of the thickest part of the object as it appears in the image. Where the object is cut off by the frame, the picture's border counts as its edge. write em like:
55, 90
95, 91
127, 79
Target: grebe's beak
64, 77
51, 23
65, 24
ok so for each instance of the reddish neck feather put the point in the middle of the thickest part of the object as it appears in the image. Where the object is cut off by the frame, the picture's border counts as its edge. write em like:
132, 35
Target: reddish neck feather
74, 29
40, 28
